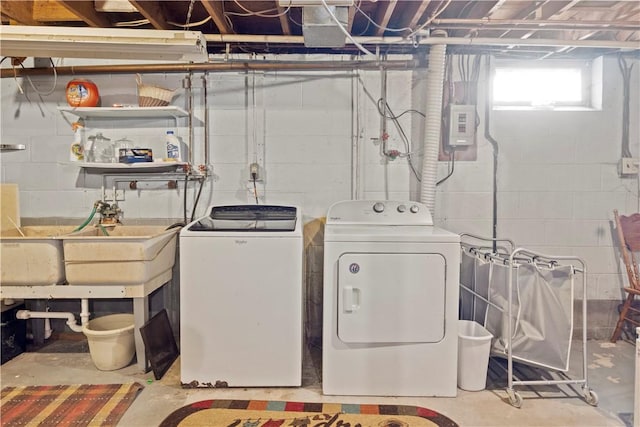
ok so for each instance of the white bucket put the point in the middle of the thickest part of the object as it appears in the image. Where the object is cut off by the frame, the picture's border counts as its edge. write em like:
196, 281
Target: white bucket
111, 341
474, 344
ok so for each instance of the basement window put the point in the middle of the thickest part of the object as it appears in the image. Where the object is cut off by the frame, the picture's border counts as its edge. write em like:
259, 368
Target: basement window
548, 85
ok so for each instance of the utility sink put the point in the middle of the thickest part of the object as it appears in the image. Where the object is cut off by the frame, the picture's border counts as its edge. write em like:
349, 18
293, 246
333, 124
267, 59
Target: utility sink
33, 258
120, 255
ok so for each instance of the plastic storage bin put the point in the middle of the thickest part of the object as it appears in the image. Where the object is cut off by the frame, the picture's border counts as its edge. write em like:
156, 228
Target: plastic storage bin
111, 342
474, 344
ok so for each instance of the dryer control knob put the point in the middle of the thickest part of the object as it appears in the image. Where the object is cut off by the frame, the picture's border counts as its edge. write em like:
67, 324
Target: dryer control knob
414, 209
402, 208
378, 207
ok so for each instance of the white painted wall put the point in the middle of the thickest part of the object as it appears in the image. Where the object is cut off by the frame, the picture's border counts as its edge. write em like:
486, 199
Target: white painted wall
558, 182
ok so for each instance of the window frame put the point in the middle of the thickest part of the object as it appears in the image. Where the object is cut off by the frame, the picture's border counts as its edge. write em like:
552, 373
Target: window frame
590, 84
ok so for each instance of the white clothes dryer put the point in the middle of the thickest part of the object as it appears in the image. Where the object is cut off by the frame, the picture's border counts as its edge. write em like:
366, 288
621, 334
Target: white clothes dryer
390, 301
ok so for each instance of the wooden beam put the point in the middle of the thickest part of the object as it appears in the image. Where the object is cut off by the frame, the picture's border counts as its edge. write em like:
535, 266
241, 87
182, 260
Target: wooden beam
495, 7
628, 36
214, 9
19, 11
352, 16
565, 8
383, 15
85, 11
549, 10
526, 12
418, 14
52, 11
628, 13
154, 12
284, 20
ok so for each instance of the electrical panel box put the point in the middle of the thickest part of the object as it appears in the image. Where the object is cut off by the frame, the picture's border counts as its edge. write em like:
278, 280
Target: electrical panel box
462, 125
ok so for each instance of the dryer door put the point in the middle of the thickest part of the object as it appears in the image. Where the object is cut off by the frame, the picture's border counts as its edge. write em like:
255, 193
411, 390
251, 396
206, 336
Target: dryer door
391, 297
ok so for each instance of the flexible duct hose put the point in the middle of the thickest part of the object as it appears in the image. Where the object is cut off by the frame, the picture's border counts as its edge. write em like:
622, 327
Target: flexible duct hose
433, 125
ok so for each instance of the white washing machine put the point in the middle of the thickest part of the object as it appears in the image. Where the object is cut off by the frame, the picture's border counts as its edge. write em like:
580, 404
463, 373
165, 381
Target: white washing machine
390, 301
241, 282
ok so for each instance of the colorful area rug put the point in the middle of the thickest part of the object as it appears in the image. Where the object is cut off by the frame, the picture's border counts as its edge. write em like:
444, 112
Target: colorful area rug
262, 413
66, 405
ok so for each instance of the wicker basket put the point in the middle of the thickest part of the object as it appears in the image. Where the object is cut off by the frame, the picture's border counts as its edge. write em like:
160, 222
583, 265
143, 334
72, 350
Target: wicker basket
153, 96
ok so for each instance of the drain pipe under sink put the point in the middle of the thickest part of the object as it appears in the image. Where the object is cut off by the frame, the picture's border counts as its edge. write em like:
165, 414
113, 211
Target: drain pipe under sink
71, 319
433, 122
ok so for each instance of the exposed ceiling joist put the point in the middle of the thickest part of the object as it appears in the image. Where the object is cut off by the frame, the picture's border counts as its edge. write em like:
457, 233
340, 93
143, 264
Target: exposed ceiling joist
630, 12
476, 20
565, 8
383, 15
415, 18
87, 12
52, 11
21, 12
526, 12
154, 12
549, 10
284, 21
214, 9
498, 4
352, 17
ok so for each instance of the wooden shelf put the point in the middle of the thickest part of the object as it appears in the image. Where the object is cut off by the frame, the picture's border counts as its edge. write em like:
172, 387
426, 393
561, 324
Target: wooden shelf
126, 112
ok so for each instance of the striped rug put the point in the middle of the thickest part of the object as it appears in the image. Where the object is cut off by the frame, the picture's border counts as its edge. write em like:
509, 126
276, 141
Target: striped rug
66, 405
263, 413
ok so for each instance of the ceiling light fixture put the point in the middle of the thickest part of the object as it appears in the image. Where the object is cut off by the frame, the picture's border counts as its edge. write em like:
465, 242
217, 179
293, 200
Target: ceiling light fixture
106, 43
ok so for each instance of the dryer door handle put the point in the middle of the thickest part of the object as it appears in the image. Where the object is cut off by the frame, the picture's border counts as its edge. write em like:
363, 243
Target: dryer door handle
350, 299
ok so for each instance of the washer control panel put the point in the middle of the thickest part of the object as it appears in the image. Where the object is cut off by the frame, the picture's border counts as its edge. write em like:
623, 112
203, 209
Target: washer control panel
386, 212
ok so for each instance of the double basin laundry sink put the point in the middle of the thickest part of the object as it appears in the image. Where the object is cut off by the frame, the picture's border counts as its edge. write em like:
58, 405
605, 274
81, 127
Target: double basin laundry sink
53, 255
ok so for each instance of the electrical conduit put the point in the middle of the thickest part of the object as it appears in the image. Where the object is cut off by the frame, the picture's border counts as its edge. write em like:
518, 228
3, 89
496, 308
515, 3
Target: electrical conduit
433, 124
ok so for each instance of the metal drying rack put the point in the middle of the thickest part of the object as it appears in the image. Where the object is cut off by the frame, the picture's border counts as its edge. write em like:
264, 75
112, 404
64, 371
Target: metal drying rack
513, 256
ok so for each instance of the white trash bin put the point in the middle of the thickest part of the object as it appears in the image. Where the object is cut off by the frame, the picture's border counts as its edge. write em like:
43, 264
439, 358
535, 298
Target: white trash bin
111, 342
474, 344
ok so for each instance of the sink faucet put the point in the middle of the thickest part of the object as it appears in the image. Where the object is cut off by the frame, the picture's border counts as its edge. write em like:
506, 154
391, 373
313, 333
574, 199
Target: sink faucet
109, 214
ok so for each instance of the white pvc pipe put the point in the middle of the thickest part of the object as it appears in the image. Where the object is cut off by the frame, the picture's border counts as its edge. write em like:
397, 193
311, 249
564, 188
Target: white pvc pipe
71, 320
433, 122
47, 328
70, 317
84, 311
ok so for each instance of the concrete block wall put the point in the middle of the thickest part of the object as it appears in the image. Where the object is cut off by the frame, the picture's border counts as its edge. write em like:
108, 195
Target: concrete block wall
557, 176
558, 185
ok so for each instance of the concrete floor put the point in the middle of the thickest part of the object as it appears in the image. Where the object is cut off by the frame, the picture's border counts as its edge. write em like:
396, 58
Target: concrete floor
611, 370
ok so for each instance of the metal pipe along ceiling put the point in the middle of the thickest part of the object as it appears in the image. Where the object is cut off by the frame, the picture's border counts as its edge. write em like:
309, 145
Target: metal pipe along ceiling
426, 40
215, 67
317, 65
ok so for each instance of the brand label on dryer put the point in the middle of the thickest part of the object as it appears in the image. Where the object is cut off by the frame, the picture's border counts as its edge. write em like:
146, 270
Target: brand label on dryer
354, 268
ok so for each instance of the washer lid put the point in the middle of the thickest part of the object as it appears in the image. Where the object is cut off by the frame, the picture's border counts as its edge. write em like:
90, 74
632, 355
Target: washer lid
248, 218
